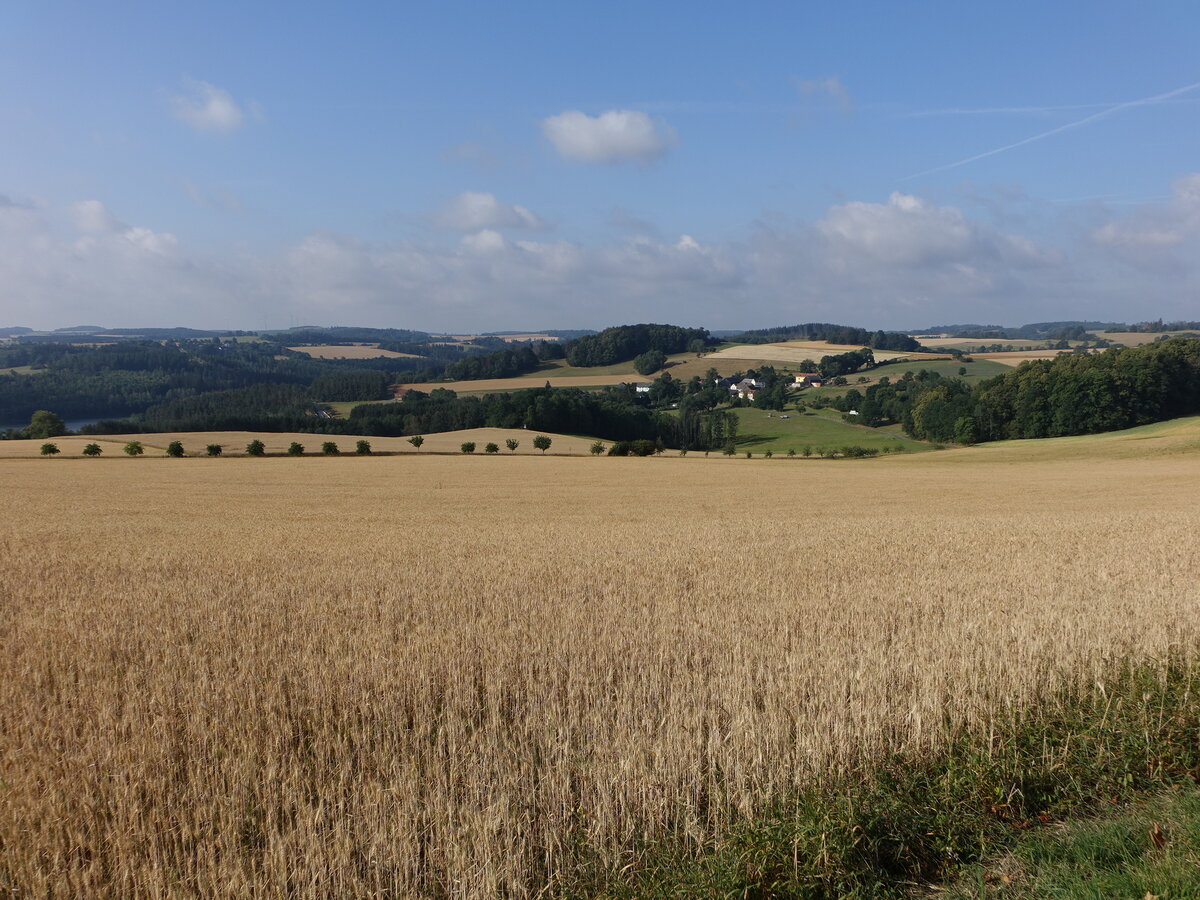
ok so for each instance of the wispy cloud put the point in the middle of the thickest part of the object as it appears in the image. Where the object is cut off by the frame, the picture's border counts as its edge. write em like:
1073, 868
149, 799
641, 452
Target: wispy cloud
207, 108
830, 86
1002, 110
1086, 120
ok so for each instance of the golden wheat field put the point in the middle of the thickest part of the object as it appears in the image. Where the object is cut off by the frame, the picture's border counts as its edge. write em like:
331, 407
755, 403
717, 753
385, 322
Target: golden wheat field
420, 676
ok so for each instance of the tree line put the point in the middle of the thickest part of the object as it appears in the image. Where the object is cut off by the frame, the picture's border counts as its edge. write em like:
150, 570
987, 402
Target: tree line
833, 334
624, 342
129, 377
1071, 394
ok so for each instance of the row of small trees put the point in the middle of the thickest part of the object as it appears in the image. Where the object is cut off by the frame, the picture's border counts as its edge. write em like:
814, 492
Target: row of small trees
328, 448
541, 442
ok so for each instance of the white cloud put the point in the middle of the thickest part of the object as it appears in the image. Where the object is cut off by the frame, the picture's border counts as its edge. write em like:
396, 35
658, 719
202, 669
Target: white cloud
613, 136
830, 86
908, 231
1141, 237
902, 261
98, 224
486, 241
93, 217
472, 211
207, 108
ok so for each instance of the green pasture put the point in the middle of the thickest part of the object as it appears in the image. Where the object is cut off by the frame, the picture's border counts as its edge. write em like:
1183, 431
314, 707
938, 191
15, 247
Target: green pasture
823, 430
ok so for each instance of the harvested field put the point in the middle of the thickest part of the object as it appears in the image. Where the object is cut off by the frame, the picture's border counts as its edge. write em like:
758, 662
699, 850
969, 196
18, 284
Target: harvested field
234, 442
510, 338
1136, 338
798, 351
351, 351
460, 677
1017, 357
972, 343
528, 381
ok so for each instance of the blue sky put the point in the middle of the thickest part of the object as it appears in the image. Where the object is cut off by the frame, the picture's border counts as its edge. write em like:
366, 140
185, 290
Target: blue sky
462, 167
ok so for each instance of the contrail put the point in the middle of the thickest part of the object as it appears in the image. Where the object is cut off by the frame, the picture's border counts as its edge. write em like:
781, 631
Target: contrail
1104, 113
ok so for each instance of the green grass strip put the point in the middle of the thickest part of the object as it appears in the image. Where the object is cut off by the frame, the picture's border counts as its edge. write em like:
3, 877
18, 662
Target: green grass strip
900, 824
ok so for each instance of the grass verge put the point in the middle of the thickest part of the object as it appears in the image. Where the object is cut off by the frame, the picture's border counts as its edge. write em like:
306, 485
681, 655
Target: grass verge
895, 825
1147, 849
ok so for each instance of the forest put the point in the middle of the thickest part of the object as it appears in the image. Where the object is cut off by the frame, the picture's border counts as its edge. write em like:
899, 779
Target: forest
834, 334
1071, 394
126, 378
624, 342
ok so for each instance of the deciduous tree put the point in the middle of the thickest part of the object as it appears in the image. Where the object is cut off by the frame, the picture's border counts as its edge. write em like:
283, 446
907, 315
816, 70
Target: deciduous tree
45, 424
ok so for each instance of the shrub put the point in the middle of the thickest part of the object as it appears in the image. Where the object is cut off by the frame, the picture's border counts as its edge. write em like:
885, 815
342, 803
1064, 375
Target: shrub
175, 449
134, 448
256, 448
329, 448
648, 362
363, 448
49, 449
92, 450
491, 448
632, 448
791, 452
768, 454
467, 446
213, 449
597, 448
295, 448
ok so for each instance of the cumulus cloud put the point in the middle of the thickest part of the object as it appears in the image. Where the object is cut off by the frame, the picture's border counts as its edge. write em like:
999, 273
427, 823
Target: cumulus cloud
830, 87
471, 211
909, 231
207, 108
1155, 228
93, 217
903, 261
95, 221
613, 136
